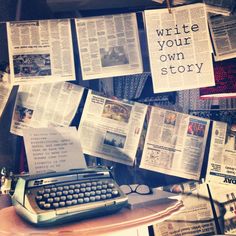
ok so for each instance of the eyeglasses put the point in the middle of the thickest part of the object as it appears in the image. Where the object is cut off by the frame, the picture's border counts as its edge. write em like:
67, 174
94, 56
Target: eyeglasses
141, 189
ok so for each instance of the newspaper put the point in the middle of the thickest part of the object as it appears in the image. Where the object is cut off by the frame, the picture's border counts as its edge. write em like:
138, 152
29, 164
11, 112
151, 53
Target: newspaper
223, 31
53, 149
175, 143
40, 51
222, 163
224, 196
195, 219
179, 48
109, 46
111, 129
5, 86
223, 7
45, 105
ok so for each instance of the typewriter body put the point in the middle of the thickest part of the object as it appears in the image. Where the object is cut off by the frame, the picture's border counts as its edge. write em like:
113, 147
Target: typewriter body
54, 198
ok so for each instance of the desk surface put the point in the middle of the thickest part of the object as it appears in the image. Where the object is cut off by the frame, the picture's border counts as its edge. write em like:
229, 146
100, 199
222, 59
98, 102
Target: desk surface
148, 214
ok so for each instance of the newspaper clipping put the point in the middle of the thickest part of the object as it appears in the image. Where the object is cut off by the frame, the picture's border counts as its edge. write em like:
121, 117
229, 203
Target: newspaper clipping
179, 48
111, 129
226, 210
175, 143
222, 163
223, 31
109, 46
40, 51
195, 219
53, 149
45, 105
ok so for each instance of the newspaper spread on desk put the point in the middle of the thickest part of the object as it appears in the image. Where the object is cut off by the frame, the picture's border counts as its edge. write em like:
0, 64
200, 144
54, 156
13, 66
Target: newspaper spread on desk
222, 162
40, 51
226, 209
195, 219
45, 105
179, 48
111, 129
175, 143
109, 46
223, 31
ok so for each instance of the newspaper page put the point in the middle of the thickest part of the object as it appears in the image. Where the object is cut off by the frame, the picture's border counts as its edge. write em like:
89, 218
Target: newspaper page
40, 51
179, 48
195, 219
109, 46
223, 7
175, 143
45, 105
5, 89
222, 162
53, 149
111, 129
224, 196
223, 31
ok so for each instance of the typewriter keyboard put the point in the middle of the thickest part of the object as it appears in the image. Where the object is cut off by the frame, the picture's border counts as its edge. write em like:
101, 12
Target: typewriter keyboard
64, 195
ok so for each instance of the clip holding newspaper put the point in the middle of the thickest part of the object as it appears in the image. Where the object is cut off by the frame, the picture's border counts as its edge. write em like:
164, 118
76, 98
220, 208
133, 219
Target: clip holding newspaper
40, 51
111, 129
109, 46
179, 48
175, 143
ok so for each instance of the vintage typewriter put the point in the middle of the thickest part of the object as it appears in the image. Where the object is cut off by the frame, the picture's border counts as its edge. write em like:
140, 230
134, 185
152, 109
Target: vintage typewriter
59, 197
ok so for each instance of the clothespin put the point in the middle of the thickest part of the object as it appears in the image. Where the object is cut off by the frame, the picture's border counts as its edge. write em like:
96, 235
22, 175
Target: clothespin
168, 5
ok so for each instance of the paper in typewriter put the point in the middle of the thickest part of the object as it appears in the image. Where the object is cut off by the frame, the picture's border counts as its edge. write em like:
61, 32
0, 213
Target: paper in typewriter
179, 48
45, 105
109, 46
175, 143
221, 167
40, 51
53, 149
111, 129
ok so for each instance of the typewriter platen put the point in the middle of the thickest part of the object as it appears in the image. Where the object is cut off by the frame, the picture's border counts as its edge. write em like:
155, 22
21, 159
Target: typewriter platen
55, 198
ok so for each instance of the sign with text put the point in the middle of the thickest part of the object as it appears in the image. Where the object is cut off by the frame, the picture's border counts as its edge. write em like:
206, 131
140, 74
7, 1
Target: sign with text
53, 149
179, 48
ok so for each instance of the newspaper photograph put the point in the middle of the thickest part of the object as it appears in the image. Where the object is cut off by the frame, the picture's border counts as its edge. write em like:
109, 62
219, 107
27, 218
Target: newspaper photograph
195, 219
45, 105
226, 211
223, 34
179, 48
175, 143
221, 167
111, 129
40, 51
109, 46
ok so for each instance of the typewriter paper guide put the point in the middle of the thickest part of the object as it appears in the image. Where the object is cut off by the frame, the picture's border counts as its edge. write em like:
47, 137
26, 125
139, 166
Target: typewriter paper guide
53, 149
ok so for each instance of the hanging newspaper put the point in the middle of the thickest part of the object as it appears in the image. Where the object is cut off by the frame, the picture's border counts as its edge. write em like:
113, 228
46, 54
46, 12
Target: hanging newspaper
40, 51
222, 162
223, 31
5, 89
109, 46
179, 48
175, 143
195, 219
225, 208
110, 128
45, 105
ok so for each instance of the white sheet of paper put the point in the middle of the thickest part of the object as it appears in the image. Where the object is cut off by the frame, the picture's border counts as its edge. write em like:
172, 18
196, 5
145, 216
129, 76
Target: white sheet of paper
53, 149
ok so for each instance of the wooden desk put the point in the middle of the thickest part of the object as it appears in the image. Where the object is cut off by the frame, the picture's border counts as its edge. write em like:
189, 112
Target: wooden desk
148, 214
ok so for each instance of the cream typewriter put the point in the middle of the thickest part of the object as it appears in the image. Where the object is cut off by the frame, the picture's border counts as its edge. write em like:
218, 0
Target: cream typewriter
55, 198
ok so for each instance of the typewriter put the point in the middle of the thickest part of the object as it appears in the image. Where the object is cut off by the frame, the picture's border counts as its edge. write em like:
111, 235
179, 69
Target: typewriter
55, 198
